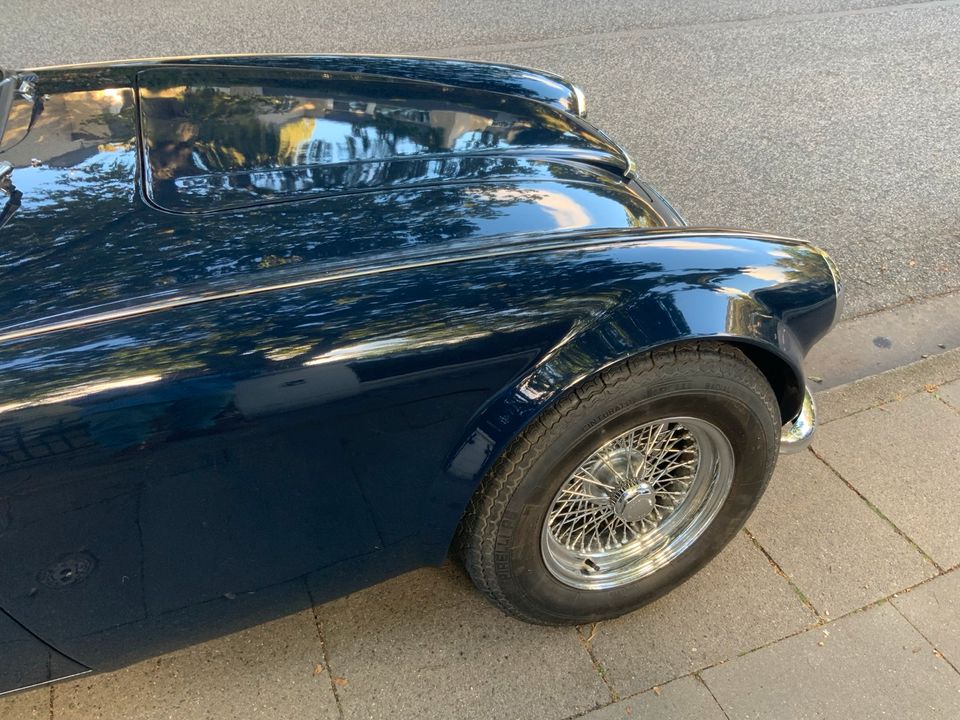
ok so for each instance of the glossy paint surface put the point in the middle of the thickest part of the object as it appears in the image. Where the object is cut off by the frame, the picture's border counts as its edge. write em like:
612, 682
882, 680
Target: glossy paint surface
511, 80
25, 660
209, 418
82, 208
219, 137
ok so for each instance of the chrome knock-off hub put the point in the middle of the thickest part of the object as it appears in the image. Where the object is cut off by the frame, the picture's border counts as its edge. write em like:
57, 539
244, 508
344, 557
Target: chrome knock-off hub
635, 503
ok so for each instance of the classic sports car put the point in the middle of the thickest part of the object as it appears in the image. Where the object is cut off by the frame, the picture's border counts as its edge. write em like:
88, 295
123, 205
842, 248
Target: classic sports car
276, 328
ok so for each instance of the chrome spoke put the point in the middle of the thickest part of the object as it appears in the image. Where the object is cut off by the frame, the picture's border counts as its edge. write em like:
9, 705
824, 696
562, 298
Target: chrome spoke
589, 478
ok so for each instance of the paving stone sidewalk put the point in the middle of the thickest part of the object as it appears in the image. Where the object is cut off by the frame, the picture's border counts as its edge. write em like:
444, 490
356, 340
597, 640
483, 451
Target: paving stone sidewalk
841, 599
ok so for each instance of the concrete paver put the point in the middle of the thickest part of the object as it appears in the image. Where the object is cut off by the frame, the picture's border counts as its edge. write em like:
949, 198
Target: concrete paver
838, 551
940, 369
683, 698
733, 605
886, 341
934, 609
904, 458
950, 394
268, 671
30, 705
872, 664
427, 645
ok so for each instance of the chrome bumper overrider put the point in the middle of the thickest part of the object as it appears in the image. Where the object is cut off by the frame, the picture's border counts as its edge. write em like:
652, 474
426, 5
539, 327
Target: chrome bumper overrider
797, 434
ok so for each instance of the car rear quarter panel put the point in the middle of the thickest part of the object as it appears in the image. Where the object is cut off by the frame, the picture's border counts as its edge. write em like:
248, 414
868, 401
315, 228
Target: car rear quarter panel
209, 420
222, 461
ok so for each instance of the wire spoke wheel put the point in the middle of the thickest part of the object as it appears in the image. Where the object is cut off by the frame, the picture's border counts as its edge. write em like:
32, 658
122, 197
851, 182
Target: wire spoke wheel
628, 486
636, 503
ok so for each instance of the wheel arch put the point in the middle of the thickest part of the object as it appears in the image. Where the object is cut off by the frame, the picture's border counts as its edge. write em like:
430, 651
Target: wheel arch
769, 298
785, 379
504, 419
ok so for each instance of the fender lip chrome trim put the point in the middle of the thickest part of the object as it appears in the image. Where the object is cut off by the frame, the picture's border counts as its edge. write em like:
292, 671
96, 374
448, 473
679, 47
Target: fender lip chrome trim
797, 434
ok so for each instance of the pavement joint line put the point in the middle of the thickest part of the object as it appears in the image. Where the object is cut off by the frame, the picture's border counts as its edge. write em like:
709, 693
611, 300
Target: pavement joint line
52, 690
874, 603
909, 589
703, 682
710, 25
878, 511
879, 404
318, 623
936, 650
906, 390
641, 692
710, 666
939, 397
829, 621
582, 713
597, 665
801, 631
779, 570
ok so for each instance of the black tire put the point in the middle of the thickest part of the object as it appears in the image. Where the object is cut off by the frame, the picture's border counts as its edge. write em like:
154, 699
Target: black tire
500, 536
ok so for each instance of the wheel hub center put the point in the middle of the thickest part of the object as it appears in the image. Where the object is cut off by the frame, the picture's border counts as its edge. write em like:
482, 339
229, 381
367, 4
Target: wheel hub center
635, 503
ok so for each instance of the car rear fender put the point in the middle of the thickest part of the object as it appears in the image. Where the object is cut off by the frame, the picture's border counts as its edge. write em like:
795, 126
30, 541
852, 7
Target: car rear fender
774, 327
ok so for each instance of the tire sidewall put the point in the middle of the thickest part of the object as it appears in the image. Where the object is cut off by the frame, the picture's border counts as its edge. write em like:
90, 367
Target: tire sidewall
737, 411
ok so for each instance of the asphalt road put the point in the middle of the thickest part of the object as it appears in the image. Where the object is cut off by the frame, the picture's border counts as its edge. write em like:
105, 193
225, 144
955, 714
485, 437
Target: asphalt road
834, 121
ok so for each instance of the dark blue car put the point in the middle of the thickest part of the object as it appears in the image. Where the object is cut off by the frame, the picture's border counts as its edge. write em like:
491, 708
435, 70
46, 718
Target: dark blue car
275, 328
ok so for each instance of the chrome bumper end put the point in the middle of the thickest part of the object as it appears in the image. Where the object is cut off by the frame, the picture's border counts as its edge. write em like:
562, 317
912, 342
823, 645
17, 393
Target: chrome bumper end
797, 434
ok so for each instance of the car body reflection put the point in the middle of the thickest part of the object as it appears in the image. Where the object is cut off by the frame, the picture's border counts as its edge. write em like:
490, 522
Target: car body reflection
264, 328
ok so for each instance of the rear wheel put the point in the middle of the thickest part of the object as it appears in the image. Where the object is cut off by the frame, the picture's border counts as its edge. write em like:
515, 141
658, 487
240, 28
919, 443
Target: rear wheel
625, 487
